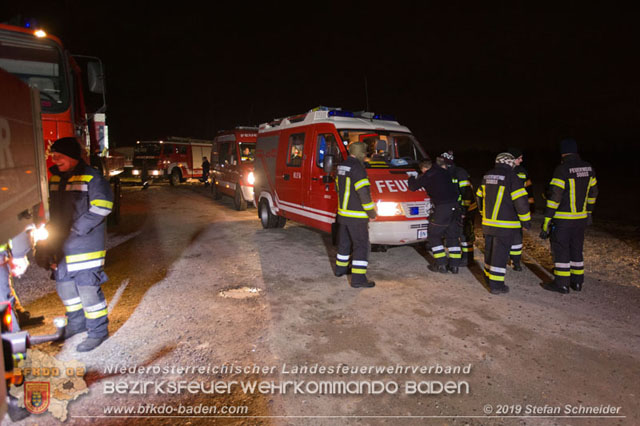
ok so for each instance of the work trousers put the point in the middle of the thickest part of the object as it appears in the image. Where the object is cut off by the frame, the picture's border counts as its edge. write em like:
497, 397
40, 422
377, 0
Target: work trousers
83, 299
515, 253
567, 241
6, 293
496, 256
444, 224
467, 238
353, 242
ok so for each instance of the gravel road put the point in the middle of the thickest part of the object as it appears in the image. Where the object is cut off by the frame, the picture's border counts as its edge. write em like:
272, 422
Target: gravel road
194, 283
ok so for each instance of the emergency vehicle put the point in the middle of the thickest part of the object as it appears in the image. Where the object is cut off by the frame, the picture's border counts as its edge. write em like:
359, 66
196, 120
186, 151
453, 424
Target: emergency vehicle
72, 100
296, 160
177, 159
232, 156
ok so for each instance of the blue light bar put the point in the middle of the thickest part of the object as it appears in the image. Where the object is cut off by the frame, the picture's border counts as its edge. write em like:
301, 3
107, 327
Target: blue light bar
414, 211
385, 117
340, 113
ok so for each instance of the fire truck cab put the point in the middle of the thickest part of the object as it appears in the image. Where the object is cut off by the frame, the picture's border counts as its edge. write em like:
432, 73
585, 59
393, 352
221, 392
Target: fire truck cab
296, 160
177, 159
232, 156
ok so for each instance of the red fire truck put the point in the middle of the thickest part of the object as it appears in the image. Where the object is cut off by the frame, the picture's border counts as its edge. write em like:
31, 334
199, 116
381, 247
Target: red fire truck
71, 96
295, 166
174, 158
232, 156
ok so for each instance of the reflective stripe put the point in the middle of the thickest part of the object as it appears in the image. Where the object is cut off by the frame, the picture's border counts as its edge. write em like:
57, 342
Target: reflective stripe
99, 211
497, 269
496, 207
360, 263
102, 203
572, 195
467, 249
561, 273
455, 255
577, 272
97, 314
80, 178
562, 265
454, 249
18, 356
362, 182
464, 183
437, 248
501, 223
347, 192
473, 206
591, 200
552, 204
358, 271
516, 246
78, 187
342, 256
524, 217
74, 308
85, 256
577, 264
518, 193
54, 187
515, 252
592, 181
54, 178
351, 213
339, 263
368, 206
569, 215
557, 182
96, 307
85, 265
439, 255
479, 192
73, 301
522, 175
494, 277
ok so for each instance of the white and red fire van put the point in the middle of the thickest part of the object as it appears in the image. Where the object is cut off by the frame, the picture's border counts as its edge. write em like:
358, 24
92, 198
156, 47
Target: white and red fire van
296, 158
177, 159
232, 155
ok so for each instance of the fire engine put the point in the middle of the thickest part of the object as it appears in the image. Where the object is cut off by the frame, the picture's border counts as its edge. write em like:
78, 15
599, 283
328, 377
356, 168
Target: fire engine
296, 158
67, 109
174, 158
232, 156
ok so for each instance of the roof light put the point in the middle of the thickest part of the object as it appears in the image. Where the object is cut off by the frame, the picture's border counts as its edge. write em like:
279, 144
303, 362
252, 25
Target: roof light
340, 113
40, 33
385, 117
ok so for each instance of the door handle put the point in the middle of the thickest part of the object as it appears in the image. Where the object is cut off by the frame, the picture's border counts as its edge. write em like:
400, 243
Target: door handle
286, 176
314, 179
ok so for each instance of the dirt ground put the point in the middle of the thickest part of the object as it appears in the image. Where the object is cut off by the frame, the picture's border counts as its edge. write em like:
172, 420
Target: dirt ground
195, 283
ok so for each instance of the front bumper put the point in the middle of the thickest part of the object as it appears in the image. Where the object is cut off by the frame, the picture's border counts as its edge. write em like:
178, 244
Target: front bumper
398, 232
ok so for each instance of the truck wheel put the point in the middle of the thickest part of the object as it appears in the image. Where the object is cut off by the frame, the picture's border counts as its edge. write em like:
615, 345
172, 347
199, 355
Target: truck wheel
239, 201
114, 217
176, 177
215, 192
267, 219
281, 222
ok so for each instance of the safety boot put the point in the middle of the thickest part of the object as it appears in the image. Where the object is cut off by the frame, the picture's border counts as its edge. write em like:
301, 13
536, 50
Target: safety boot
437, 268
90, 343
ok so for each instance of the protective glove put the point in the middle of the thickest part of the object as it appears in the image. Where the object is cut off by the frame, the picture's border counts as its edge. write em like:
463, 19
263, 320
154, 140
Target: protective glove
372, 213
18, 266
544, 234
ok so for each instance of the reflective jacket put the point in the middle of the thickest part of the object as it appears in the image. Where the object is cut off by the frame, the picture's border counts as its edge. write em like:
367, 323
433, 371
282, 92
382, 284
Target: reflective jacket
354, 193
524, 176
80, 202
572, 192
502, 200
465, 189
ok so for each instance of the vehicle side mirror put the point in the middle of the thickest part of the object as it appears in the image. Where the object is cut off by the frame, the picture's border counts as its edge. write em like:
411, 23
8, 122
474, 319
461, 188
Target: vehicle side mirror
327, 163
95, 77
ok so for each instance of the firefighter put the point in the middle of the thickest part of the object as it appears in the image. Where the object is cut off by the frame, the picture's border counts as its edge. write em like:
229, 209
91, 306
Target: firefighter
206, 166
571, 197
515, 254
81, 200
502, 200
467, 199
444, 221
355, 208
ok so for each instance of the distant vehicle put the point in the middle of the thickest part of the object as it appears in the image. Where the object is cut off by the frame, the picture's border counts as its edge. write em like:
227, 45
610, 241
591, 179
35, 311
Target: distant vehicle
296, 158
72, 100
176, 159
232, 155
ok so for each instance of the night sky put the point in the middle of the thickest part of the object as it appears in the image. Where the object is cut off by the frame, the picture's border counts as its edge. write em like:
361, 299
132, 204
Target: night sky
461, 77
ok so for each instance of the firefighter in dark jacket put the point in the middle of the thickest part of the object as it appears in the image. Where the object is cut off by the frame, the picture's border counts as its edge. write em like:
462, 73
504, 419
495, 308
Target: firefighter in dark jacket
444, 222
571, 198
502, 201
80, 200
516, 248
467, 200
355, 208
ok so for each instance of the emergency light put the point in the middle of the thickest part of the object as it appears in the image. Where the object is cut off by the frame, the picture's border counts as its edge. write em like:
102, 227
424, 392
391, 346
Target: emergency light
384, 117
340, 113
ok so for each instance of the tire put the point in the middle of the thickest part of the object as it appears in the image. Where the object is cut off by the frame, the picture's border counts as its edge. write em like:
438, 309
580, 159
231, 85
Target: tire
176, 177
281, 222
238, 200
267, 219
215, 192
114, 217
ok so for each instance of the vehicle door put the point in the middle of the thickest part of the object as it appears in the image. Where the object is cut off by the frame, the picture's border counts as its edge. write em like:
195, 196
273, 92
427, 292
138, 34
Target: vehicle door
320, 196
292, 166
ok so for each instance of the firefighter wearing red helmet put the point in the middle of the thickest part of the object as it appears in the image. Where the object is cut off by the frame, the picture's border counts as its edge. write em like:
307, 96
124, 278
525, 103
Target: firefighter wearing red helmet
81, 200
355, 208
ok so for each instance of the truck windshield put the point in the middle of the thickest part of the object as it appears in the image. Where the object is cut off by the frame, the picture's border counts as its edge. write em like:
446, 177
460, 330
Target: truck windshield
146, 150
386, 149
37, 62
247, 151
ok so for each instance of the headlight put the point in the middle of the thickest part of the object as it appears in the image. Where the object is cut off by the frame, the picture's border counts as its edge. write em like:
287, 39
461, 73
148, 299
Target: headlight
155, 172
135, 172
40, 233
250, 178
387, 208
